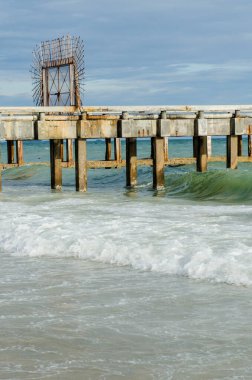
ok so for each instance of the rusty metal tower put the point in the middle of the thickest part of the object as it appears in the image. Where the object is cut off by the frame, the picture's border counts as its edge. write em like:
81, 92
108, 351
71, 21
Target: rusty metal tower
58, 72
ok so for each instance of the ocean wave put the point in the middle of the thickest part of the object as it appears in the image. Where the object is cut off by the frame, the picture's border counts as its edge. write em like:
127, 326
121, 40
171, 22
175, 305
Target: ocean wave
224, 186
201, 242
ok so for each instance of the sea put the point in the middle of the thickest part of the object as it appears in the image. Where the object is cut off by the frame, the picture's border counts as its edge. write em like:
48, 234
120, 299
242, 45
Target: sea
121, 283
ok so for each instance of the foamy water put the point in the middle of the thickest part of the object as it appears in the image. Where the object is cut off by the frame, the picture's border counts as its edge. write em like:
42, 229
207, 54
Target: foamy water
126, 284
211, 242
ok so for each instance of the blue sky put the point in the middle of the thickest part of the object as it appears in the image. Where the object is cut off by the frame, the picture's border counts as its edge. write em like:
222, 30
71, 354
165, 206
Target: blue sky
136, 51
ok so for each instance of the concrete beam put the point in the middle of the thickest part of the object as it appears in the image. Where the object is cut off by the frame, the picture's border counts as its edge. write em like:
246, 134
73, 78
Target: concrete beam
240, 125
55, 130
17, 130
175, 127
95, 129
137, 128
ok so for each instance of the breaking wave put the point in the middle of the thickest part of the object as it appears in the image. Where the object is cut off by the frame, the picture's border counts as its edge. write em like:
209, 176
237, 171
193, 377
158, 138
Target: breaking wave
201, 240
228, 186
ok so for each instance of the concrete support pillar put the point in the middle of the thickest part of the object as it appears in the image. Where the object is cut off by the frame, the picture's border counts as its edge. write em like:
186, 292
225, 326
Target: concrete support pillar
56, 160
232, 151
250, 145
131, 162
195, 146
108, 149
117, 150
10, 152
202, 154
152, 152
209, 146
158, 162
166, 148
62, 150
81, 165
239, 142
19, 152
69, 151
201, 145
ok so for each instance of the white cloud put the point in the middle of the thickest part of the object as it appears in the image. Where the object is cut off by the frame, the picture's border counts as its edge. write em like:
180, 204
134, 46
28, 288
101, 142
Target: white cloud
140, 50
181, 80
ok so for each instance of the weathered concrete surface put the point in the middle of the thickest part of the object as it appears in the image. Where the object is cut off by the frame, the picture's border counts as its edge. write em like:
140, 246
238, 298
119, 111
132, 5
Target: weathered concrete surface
131, 162
81, 165
17, 130
232, 152
55, 129
95, 129
56, 167
175, 127
201, 158
113, 128
137, 128
217, 127
241, 125
200, 126
121, 108
158, 163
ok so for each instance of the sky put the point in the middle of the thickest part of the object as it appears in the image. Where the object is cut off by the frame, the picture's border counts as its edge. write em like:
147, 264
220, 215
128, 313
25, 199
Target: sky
137, 52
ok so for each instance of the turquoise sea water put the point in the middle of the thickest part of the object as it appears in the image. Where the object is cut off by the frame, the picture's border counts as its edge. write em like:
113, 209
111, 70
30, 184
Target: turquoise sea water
126, 284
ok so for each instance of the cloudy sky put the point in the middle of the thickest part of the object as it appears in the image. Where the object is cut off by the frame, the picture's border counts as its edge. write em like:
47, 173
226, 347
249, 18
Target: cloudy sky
136, 51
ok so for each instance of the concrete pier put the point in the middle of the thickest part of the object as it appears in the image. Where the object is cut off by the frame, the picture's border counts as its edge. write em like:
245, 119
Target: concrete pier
112, 124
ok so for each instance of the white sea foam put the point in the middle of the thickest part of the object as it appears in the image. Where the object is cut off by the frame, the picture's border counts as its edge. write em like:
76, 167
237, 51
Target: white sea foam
199, 241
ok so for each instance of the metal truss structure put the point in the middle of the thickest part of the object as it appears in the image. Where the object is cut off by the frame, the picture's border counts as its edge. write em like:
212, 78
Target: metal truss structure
58, 72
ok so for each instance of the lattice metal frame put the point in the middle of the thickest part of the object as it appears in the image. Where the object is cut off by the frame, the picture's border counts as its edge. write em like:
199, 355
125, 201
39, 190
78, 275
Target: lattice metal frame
58, 72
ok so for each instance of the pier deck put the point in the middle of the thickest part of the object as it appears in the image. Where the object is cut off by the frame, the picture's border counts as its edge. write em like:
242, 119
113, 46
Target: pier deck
157, 123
